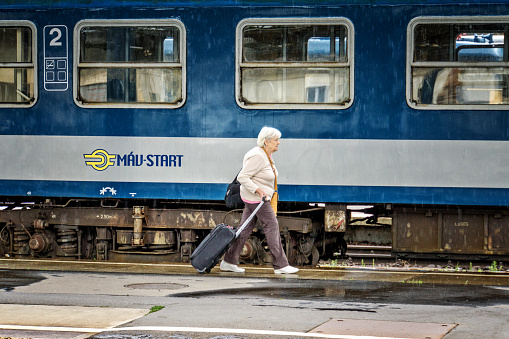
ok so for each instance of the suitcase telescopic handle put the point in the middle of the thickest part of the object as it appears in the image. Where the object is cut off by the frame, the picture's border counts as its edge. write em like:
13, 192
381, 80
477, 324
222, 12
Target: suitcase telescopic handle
241, 228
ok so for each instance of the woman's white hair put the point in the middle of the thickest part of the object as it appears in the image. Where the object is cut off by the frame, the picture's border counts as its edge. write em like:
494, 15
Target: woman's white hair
267, 133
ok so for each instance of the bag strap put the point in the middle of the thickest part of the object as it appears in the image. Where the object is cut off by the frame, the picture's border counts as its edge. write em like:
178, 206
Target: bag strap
273, 170
237, 176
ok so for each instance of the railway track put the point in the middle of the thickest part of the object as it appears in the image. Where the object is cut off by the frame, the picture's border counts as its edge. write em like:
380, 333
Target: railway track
361, 255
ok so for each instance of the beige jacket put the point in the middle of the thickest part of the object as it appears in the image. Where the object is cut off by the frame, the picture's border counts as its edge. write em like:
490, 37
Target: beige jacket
256, 173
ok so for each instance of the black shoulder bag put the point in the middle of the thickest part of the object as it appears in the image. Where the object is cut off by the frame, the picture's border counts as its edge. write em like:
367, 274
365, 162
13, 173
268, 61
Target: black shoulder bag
232, 197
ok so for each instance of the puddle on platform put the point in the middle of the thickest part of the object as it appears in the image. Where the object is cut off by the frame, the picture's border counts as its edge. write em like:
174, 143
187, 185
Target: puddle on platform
10, 279
368, 291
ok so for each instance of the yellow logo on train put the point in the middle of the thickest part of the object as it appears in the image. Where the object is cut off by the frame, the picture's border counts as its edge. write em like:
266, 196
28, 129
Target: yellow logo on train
100, 159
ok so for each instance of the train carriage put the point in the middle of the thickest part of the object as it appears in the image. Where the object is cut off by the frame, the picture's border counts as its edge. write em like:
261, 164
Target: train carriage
122, 122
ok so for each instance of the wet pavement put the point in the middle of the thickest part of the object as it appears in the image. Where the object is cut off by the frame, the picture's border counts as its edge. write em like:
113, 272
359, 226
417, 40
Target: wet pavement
113, 300
374, 286
368, 291
12, 279
437, 292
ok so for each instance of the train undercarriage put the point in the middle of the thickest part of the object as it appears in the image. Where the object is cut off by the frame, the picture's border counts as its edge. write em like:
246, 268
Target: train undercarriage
162, 232
154, 231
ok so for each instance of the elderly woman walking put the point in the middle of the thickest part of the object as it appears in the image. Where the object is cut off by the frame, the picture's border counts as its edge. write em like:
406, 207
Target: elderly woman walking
257, 179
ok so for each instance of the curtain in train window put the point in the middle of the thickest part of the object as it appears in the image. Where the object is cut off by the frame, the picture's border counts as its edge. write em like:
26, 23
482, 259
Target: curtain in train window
16, 66
297, 65
132, 65
459, 65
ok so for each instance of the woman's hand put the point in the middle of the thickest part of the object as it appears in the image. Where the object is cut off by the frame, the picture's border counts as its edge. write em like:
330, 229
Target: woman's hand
261, 193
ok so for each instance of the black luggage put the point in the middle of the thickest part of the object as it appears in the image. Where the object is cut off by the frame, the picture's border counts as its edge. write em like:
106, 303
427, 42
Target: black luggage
216, 243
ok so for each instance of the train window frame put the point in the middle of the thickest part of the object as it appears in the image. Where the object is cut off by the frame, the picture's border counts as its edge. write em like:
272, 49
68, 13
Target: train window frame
349, 64
27, 65
411, 65
135, 23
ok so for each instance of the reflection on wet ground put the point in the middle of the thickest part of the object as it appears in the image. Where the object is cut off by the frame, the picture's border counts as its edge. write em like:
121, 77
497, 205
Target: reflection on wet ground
368, 291
10, 279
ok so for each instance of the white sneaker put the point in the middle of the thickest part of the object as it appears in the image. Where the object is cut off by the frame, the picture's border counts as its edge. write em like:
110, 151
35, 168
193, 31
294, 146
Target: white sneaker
287, 270
230, 267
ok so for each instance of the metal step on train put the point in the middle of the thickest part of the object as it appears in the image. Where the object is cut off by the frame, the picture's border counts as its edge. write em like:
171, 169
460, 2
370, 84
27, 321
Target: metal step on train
368, 251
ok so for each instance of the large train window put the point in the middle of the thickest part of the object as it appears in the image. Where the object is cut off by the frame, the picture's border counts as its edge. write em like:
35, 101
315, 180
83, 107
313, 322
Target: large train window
294, 63
458, 63
17, 64
130, 63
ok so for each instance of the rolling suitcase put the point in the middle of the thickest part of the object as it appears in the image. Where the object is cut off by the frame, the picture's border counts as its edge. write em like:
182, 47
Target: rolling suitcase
216, 243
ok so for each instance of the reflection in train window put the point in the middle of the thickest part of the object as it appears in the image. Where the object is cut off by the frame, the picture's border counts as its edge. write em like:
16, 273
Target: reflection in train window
17, 64
294, 63
458, 63
130, 64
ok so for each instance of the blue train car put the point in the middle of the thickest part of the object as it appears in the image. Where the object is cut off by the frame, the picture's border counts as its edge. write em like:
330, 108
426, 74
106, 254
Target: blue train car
122, 122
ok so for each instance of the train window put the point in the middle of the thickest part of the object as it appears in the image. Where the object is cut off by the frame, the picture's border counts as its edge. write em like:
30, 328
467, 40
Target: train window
458, 63
135, 63
295, 63
17, 64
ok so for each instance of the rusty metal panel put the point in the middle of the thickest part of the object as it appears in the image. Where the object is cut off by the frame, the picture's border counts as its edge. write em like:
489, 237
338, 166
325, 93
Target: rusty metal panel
74, 216
184, 218
386, 329
498, 233
335, 220
154, 218
416, 231
463, 232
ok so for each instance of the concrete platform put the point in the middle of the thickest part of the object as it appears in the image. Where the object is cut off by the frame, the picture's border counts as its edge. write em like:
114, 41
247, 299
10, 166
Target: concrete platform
62, 316
75, 299
45, 321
